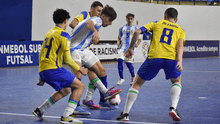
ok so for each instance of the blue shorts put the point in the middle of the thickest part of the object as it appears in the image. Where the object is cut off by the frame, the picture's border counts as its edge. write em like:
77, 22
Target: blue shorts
57, 78
150, 68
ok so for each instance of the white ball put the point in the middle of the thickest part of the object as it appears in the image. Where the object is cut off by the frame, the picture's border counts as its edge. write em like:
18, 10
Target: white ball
115, 100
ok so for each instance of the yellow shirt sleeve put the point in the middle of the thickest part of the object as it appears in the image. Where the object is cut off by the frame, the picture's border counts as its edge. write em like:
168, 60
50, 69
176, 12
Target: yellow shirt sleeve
68, 60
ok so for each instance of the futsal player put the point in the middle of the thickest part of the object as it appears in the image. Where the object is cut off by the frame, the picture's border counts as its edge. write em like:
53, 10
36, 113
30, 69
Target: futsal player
124, 39
56, 46
95, 10
166, 52
83, 34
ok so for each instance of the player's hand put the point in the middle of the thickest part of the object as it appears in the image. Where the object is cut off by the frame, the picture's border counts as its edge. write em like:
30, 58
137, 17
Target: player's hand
95, 38
83, 71
179, 66
40, 83
128, 53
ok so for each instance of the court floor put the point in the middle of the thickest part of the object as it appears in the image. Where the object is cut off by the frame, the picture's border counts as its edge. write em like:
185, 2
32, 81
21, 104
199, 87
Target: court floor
199, 102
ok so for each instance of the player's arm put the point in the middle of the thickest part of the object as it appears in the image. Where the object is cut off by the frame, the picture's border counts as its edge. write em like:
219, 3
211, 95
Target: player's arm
138, 42
180, 54
73, 65
74, 23
118, 41
91, 26
129, 51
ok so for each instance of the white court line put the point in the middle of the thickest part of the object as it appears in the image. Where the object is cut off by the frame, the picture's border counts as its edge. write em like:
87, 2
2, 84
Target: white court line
88, 119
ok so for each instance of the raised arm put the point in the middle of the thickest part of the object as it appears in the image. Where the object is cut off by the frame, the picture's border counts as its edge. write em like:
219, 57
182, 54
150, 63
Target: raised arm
74, 23
91, 26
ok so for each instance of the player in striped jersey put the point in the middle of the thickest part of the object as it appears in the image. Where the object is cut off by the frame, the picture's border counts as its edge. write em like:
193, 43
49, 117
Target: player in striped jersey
124, 39
56, 47
95, 10
85, 33
166, 52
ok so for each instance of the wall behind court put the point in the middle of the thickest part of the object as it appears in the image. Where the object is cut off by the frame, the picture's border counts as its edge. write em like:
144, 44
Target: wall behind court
200, 22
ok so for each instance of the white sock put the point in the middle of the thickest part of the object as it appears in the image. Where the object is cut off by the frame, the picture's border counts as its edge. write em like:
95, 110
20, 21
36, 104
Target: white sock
131, 97
90, 92
98, 84
71, 106
47, 104
175, 94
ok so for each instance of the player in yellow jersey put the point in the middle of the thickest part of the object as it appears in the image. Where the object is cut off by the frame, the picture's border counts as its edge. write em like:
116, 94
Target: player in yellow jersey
55, 47
95, 10
165, 52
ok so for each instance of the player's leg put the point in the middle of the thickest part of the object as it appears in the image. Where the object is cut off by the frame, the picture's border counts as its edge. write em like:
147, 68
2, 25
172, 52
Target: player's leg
88, 102
72, 103
120, 67
131, 68
175, 77
77, 57
148, 70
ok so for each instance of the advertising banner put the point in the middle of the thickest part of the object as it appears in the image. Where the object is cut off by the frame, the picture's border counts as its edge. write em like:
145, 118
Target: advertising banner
195, 49
19, 53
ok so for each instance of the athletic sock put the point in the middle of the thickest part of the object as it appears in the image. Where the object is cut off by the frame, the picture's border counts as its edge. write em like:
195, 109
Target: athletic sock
131, 68
71, 106
47, 104
175, 94
90, 92
105, 83
98, 84
131, 97
120, 68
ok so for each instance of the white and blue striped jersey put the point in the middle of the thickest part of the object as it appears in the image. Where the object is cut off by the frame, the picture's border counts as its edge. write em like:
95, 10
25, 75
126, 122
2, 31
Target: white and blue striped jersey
81, 35
126, 33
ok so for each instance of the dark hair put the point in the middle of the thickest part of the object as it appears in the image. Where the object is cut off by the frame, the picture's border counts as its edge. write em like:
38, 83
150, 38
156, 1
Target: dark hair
109, 12
130, 15
96, 3
171, 13
60, 15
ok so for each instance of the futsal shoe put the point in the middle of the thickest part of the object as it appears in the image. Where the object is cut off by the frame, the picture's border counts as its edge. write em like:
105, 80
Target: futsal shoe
174, 114
70, 120
80, 111
38, 114
106, 105
123, 117
121, 80
90, 104
111, 93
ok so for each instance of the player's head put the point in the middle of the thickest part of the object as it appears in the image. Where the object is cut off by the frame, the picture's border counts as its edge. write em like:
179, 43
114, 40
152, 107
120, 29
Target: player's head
171, 13
130, 18
61, 16
96, 8
108, 15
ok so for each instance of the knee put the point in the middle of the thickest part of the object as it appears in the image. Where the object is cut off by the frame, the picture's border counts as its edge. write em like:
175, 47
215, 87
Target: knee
65, 91
82, 86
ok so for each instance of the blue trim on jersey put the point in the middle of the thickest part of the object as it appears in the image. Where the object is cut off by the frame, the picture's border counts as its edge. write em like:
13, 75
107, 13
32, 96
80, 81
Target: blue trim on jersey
58, 26
155, 21
57, 57
80, 27
85, 13
143, 29
66, 35
127, 37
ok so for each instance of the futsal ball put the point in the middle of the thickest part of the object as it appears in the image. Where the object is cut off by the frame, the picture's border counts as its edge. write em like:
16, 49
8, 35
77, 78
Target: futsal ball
115, 100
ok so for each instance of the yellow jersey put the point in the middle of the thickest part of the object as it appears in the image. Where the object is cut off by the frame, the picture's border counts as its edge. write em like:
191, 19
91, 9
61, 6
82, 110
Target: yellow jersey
165, 37
55, 43
83, 15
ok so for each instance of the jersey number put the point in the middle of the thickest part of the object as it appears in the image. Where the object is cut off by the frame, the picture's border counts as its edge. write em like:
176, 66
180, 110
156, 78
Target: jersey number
48, 46
167, 36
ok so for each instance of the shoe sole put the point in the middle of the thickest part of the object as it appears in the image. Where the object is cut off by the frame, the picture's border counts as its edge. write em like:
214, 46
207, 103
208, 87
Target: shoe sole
64, 122
84, 105
35, 114
174, 116
109, 97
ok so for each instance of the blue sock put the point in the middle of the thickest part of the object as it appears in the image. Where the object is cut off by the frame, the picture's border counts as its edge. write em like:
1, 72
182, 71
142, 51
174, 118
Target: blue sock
104, 81
131, 68
120, 68
78, 103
